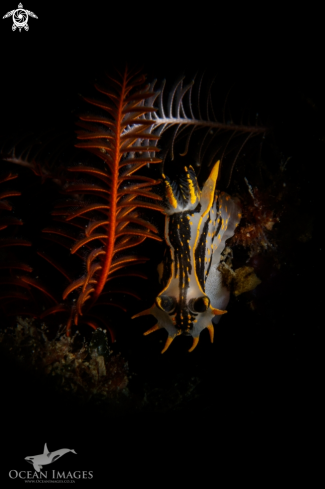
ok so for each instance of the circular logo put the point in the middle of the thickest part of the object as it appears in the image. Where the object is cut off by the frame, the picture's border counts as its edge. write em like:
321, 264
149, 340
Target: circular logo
20, 18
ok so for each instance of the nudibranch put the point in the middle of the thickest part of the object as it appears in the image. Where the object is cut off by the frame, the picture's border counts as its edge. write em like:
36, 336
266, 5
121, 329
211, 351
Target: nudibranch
197, 225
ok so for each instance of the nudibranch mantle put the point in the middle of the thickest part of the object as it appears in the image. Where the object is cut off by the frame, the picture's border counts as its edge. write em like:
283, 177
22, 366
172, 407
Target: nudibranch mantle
198, 223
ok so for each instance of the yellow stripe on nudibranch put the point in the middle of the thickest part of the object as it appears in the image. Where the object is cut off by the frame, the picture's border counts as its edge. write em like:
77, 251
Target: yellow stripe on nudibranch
158, 300
210, 186
193, 193
170, 194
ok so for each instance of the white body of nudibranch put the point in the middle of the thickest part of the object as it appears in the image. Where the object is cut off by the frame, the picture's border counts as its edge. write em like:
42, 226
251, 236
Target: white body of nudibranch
197, 225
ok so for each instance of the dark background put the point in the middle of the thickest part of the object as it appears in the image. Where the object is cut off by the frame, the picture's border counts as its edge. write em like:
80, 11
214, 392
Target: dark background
258, 381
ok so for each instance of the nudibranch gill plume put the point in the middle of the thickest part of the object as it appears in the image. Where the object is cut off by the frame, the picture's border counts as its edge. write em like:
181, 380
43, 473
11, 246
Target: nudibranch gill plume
197, 225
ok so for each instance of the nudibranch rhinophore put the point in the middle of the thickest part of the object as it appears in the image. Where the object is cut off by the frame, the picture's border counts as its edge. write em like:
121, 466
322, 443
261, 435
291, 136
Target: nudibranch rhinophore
198, 223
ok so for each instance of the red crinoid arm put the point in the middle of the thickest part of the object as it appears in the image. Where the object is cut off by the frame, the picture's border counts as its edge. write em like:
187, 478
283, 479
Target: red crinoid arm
41, 154
12, 292
120, 138
114, 162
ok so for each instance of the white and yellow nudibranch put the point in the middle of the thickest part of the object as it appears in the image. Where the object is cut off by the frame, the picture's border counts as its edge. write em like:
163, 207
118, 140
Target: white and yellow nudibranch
197, 225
